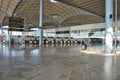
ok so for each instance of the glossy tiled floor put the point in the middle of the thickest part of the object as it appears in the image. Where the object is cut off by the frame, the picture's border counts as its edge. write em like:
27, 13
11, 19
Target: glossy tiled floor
55, 63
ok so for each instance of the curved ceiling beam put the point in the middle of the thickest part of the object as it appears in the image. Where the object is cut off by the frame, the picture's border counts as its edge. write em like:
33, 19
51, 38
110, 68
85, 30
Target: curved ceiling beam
8, 5
37, 14
6, 14
16, 7
1, 4
72, 5
29, 3
68, 18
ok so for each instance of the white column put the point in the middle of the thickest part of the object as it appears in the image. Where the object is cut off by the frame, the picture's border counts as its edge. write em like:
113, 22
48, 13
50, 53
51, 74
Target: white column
116, 24
41, 21
109, 24
9, 35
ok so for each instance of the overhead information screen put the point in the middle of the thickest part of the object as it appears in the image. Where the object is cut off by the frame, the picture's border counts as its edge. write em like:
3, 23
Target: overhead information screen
16, 24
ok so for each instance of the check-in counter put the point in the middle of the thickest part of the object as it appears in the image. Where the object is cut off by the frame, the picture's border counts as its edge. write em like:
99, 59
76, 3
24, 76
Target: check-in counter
34, 41
65, 39
50, 40
30, 42
68, 41
58, 40
64, 42
46, 42
71, 42
61, 41
53, 42
75, 41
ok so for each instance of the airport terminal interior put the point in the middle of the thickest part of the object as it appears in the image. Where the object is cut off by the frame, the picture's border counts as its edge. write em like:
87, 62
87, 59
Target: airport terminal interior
59, 39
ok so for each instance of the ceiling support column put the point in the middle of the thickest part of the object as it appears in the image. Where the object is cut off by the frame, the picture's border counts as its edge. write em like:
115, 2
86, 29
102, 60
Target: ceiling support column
41, 22
9, 35
109, 25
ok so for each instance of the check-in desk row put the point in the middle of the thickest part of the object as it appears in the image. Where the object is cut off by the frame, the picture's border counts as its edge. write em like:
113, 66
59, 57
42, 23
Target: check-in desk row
31, 42
49, 42
59, 42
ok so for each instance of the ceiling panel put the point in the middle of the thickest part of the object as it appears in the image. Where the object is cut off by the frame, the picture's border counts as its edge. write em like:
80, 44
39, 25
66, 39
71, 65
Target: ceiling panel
7, 7
64, 12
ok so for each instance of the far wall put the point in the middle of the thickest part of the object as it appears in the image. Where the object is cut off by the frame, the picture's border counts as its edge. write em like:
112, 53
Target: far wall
75, 31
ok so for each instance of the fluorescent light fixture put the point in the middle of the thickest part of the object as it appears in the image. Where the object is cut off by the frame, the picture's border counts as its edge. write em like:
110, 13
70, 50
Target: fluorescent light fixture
35, 29
53, 1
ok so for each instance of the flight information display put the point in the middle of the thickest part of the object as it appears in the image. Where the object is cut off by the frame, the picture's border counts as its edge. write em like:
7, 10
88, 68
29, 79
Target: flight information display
16, 23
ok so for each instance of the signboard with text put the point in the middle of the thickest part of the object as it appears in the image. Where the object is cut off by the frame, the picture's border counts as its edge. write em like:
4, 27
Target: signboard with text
16, 24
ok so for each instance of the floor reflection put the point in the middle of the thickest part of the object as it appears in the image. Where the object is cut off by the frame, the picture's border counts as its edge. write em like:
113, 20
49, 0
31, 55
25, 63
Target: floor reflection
19, 50
58, 62
108, 67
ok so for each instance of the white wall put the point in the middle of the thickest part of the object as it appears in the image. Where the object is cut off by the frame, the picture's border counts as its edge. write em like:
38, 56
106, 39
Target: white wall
49, 32
52, 32
89, 26
92, 26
